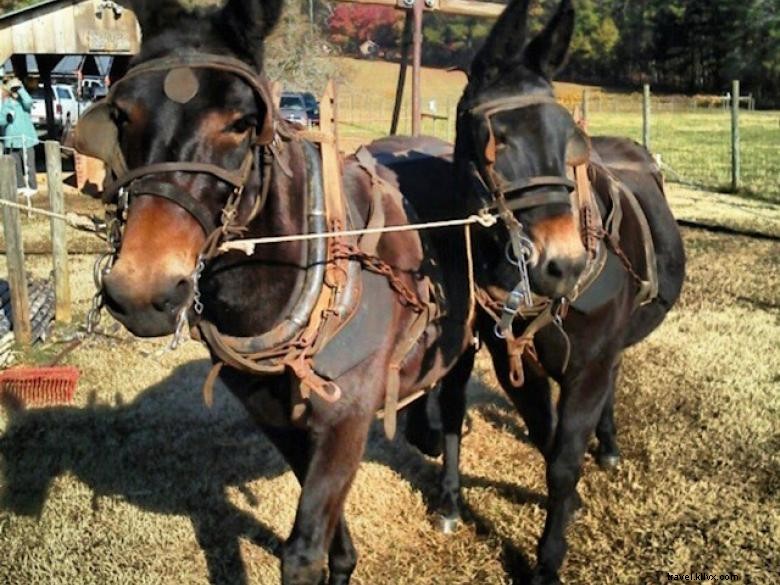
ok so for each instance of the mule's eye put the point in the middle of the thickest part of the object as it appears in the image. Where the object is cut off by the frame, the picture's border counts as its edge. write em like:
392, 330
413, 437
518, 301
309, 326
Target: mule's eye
118, 115
242, 125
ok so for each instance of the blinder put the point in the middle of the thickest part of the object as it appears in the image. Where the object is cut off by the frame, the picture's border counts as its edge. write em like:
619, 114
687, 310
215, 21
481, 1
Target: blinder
97, 135
577, 152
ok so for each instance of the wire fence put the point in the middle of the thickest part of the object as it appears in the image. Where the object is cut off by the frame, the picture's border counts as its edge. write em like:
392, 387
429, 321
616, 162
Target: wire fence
695, 146
363, 118
690, 135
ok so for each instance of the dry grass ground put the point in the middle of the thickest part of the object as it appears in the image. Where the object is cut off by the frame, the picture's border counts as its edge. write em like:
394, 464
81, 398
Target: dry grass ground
138, 482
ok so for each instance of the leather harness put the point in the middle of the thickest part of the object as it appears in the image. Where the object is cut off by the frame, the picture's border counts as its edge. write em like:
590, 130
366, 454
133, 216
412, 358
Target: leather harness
329, 296
595, 231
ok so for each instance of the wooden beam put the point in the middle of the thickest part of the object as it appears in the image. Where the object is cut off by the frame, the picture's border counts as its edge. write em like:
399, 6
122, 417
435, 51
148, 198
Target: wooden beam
17, 278
59, 242
460, 7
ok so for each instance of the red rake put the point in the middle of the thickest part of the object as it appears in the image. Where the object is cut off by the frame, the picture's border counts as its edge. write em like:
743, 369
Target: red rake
39, 386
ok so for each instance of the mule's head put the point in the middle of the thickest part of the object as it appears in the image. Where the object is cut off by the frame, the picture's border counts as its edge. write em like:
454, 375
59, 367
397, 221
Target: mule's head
517, 142
208, 116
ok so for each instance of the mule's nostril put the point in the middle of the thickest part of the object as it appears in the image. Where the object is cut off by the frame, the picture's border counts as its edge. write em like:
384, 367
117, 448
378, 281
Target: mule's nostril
171, 300
112, 303
554, 269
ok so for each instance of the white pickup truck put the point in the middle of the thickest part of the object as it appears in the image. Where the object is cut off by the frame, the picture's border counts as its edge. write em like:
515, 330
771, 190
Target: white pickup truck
67, 107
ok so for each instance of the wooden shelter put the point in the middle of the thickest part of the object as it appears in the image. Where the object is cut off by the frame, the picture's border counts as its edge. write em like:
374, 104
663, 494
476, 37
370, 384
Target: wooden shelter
54, 28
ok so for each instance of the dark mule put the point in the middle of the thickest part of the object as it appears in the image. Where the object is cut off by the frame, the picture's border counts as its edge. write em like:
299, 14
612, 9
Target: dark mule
200, 157
512, 143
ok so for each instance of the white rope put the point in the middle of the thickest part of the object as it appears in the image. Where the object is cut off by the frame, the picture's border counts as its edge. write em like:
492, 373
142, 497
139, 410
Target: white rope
248, 245
72, 219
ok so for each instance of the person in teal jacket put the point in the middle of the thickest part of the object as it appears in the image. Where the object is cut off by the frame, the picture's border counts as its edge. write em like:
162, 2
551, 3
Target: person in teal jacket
19, 135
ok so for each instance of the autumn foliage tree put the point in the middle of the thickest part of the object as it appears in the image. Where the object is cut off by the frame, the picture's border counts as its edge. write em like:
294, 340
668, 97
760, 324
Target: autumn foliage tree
352, 24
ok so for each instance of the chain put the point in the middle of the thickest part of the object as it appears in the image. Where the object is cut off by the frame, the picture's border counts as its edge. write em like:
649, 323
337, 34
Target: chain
614, 245
379, 266
102, 267
197, 304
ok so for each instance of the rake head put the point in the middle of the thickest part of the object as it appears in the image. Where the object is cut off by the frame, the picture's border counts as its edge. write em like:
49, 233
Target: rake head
39, 386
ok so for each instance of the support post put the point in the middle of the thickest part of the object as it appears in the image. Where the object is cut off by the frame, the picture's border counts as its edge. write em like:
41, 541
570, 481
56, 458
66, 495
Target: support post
406, 41
59, 241
584, 107
46, 65
735, 159
17, 280
646, 116
417, 67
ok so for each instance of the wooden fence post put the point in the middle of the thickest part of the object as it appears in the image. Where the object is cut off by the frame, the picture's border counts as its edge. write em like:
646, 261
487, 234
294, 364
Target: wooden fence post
585, 107
17, 279
735, 160
646, 116
59, 243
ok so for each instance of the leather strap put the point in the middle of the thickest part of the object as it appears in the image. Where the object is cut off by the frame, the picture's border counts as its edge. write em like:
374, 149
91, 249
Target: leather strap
376, 215
538, 200
178, 196
266, 129
412, 336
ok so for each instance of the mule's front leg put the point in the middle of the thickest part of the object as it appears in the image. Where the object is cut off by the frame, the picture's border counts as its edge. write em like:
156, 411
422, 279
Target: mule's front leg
582, 401
452, 402
607, 452
336, 452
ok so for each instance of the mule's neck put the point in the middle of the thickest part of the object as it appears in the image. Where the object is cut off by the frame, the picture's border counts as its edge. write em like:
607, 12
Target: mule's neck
247, 295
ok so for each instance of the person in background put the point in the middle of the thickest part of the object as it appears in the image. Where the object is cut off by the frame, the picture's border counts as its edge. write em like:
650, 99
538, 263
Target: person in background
19, 135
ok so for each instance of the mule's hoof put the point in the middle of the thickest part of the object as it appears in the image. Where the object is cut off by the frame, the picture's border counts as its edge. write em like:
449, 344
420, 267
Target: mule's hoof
448, 524
608, 462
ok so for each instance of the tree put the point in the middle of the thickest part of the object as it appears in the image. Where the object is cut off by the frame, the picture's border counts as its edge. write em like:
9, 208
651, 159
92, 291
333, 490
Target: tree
352, 24
9, 5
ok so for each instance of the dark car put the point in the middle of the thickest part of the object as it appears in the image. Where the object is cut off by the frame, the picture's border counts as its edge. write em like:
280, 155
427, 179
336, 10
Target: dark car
312, 107
292, 107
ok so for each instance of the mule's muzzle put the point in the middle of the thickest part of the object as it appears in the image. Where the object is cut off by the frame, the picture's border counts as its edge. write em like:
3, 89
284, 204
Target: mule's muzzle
147, 313
560, 257
556, 277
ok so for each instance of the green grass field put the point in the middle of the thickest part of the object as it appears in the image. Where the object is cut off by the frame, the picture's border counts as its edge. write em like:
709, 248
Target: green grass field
694, 144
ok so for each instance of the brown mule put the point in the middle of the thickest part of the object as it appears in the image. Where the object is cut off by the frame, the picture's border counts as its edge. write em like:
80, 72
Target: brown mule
312, 336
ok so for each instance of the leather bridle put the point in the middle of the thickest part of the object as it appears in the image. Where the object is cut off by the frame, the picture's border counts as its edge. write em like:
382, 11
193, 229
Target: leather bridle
498, 185
516, 195
146, 180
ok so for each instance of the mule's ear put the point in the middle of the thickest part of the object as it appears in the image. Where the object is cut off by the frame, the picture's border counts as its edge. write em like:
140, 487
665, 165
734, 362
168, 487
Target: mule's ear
546, 54
246, 23
154, 15
578, 148
504, 42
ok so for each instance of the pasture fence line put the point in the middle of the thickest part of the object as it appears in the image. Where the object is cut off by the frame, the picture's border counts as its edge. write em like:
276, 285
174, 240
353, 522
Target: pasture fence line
364, 117
715, 143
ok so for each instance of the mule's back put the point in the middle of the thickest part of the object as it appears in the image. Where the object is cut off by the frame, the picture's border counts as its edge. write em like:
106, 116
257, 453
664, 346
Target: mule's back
635, 167
421, 167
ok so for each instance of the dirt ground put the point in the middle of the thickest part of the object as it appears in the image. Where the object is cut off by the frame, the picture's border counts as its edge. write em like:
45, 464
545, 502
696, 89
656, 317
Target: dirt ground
138, 482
